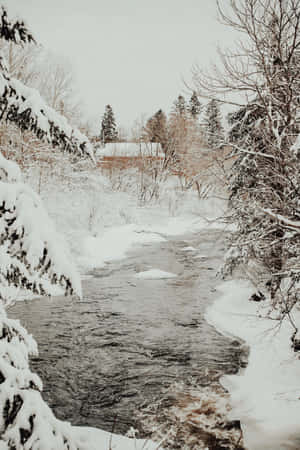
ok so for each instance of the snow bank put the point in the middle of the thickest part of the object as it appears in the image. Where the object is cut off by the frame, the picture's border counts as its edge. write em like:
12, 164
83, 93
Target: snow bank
101, 225
95, 439
266, 396
154, 274
113, 244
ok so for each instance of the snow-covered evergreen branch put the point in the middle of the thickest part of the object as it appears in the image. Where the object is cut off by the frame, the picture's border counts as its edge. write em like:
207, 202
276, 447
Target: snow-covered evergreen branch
14, 31
26, 422
32, 257
25, 107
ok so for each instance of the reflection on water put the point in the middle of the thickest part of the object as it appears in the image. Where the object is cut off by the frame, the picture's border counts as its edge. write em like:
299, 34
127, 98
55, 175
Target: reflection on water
118, 350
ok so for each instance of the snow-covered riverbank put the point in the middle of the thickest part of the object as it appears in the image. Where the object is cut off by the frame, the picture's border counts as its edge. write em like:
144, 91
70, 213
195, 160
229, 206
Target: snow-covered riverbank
95, 439
105, 226
266, 395
103, 229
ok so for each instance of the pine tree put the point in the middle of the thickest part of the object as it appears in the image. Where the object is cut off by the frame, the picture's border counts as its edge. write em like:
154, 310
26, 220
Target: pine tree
213, 125
108, 126
194, 106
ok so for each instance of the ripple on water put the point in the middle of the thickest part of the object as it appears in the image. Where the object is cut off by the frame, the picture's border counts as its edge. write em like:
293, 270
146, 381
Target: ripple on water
125, 344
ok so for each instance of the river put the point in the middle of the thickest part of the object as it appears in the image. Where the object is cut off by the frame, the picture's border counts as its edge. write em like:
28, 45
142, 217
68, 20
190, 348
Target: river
105, 359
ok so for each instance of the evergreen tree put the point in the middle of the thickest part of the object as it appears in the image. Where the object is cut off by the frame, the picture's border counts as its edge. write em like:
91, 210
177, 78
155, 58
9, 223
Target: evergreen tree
179, 106
243, 132
108, 126
156, 128
194, 106
213, 125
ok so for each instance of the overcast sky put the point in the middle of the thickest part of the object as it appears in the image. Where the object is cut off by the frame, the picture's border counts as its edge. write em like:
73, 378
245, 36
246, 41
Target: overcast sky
132, 54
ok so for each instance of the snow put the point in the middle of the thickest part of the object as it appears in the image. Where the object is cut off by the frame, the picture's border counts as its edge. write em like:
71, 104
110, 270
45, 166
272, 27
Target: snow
9, 171
102, 227
130, 149
266, 395
113, 244
289, 223
23, 99
95, 439
154, 274
31, 221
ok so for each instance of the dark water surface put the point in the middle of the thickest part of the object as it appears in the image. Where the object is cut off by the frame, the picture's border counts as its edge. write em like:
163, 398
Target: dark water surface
130, 339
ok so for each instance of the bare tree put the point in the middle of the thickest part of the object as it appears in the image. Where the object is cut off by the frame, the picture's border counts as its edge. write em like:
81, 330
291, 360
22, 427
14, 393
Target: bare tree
44, 71
261, 77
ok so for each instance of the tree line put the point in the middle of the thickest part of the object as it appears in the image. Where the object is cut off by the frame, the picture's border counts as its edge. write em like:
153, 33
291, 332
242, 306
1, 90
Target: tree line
158, 128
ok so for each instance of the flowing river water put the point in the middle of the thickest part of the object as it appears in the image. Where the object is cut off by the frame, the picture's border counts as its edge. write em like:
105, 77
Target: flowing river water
118, 351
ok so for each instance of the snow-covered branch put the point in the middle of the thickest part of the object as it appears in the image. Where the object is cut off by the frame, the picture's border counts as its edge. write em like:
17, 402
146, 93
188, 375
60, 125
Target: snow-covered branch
31, 253
283, 220
25, 107
26, 422
14, 31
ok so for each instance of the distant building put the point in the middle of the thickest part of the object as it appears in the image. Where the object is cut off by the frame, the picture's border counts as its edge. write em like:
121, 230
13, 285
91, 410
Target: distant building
124, 155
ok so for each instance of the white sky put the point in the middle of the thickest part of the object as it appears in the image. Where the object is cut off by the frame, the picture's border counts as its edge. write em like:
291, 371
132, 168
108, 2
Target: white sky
132, 54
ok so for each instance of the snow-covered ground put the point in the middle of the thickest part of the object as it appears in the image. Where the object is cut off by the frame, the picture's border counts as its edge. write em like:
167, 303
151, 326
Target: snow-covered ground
266, 395
95, 439
100, 226
130, 149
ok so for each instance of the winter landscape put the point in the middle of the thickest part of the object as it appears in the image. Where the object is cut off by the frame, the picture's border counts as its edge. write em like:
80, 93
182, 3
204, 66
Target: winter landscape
150, 267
